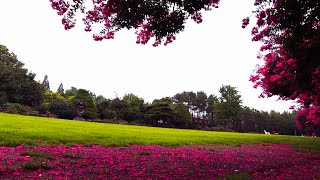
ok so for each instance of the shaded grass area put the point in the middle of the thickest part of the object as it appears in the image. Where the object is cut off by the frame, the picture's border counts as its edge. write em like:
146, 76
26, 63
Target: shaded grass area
17, 129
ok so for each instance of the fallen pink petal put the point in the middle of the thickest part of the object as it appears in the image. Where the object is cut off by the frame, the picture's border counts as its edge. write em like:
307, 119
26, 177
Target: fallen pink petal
271, 161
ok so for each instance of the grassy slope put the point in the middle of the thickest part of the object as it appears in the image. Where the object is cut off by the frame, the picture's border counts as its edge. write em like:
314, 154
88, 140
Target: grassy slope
16, 129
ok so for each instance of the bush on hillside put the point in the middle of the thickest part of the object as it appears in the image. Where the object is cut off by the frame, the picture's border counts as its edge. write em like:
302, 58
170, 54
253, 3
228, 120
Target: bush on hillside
16, 108
216, 128
43, 108
60, 108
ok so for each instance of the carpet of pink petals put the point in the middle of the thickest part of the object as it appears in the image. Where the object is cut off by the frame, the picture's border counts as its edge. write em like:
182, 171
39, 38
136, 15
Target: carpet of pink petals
270, 161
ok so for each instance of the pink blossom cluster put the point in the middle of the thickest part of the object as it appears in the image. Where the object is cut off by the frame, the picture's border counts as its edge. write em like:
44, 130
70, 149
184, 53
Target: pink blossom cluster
144, 33
271, 161
60, 6
245, 22
308, 118
278, 73
197, 17
317, 24
281, 73
117, 14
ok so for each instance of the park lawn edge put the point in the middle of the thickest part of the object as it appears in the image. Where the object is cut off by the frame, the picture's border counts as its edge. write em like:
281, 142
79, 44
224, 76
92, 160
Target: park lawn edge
30, 130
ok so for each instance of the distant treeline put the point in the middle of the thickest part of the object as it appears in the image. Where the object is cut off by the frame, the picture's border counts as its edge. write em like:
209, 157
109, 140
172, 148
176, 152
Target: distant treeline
21, 94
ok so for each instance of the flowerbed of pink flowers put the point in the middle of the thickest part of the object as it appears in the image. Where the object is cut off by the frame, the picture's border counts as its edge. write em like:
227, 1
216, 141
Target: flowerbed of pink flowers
157, 162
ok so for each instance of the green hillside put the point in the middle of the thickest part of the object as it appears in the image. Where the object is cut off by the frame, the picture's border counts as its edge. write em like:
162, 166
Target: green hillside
17, 129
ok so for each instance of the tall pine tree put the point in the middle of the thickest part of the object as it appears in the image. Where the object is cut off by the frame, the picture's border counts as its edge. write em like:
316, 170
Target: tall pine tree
45, 83
61, 90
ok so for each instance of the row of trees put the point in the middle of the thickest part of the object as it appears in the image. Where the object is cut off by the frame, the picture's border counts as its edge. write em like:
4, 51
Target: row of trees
227, 113
20, 93
289, 31
180, 111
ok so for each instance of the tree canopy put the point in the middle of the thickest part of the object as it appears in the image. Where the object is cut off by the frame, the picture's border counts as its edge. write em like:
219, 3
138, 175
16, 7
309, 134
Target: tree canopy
159, 19
17, 84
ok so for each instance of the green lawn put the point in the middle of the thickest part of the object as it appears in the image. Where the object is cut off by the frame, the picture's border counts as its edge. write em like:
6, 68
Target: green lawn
17, 129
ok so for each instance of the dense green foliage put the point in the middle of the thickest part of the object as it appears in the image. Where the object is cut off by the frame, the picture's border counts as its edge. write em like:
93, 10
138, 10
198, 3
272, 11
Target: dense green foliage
134, 107
160, 113
17, 108
17, 129
183, 118
228, 108
60, 108
17, 84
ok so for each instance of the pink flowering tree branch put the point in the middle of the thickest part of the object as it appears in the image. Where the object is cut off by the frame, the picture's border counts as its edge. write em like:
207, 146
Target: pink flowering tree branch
158, 19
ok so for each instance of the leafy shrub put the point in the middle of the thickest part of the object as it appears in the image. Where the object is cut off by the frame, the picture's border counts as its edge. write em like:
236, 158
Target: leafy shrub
10, 108
108, 114
61, 108
216, 128
17, 108
42, 108
111, 121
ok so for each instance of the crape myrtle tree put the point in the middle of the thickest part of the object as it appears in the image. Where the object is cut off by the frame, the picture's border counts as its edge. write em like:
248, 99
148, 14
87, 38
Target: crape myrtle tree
158, 19
289, 31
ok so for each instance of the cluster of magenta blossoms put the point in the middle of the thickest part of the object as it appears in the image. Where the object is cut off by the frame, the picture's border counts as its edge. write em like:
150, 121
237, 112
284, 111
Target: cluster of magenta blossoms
160, 20
291, 69
156, 162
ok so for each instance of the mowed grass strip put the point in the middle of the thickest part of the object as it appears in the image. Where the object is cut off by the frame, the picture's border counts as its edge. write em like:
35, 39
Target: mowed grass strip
28, 130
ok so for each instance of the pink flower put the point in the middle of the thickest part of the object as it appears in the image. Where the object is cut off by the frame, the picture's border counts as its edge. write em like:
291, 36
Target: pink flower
16, 173
245, 22
260, 22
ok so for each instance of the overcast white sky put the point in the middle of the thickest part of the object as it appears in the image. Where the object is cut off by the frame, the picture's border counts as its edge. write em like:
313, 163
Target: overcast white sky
203, 57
